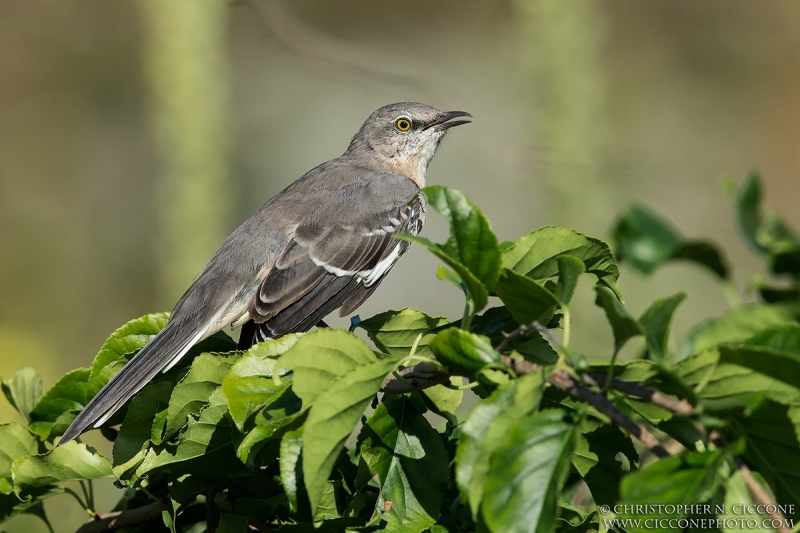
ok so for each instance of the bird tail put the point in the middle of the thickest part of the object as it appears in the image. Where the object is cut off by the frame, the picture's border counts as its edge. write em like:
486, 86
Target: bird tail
161, 353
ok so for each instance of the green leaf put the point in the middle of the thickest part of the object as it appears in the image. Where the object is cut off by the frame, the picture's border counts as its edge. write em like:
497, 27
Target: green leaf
68, 394
400, 447
623, 325
476, 290
687, 479
249, 384
192, 392
646, 242
655, 322
781, 338
536, 255
232, 523
445, 401
16, 441
462, 351
748, 211
290, 464
121, 345
336, 375
395, 332
472, 242
130, 447
597, 449
23, 390
487, 427
526, 299
737, 325
730, 376
527, 474
570, 269
69, 462
737, 494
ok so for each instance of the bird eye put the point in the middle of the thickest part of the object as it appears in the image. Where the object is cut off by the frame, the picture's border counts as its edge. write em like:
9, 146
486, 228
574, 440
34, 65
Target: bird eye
403, 124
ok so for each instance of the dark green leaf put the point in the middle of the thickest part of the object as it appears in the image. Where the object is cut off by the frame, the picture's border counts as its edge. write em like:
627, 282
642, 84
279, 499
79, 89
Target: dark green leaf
23, 390
290, 464
472, 242
526, 299
69, 462
400, 447
487, 427
69, 393
395, 332
656, 321
336, 375
249, 385
527, 474
737, 325
748, 211
536, 255
687, 479
462, 351
623, 325
11, 506
780, 338
600, 450
646, 242
477, 291
233, 523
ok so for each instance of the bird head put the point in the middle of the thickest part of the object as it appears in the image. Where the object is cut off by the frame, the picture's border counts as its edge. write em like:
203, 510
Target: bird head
403, 137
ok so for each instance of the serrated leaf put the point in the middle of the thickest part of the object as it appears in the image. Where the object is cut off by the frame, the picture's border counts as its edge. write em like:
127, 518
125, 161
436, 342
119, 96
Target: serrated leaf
478, 294
655, 322
739, 324
687, 479
290, 464
526, 299
192, 392
536, 255
68, 394
527, 474
15, 442
335, 375
462, 351
125, 341
69, 462
486, 428
23, 390
596, 458
249, 385
400, 447
395, 332
472, 242
623, 324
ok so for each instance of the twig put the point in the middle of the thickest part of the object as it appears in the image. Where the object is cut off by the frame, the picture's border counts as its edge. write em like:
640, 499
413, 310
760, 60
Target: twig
681, 407
415, 378
120, 519
752, 483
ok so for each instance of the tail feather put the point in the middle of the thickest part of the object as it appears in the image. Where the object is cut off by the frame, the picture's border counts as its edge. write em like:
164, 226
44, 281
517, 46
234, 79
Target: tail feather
161, 353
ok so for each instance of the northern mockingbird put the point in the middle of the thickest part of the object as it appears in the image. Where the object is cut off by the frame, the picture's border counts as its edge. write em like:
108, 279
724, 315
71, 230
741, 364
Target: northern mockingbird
325, 241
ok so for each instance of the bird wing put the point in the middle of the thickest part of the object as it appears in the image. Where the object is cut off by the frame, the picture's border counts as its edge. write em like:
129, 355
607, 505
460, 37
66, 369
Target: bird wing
325, 266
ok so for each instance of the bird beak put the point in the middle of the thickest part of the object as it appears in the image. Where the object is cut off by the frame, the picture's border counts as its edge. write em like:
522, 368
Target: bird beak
443, 118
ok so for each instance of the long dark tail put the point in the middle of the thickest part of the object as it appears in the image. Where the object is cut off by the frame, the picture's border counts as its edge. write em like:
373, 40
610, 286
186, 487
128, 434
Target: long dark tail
162, 352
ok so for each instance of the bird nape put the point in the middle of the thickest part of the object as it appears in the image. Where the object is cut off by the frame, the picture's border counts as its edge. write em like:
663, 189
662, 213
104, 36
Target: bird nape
325, 242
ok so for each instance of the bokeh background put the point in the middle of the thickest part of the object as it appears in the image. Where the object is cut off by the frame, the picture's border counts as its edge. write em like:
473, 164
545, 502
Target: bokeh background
135, 135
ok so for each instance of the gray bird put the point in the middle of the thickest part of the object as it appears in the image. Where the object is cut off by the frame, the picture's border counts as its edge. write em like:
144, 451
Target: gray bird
324, 242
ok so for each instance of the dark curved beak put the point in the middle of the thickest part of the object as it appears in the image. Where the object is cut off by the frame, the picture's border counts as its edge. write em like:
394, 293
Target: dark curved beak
443, 120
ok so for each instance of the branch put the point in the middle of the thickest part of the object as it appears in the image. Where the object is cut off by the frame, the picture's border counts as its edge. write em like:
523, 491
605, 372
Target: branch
681, 407
120, 519
415, 378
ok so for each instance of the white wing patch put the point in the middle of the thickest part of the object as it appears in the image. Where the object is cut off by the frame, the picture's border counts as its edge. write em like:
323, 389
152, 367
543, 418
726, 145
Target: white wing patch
371, 276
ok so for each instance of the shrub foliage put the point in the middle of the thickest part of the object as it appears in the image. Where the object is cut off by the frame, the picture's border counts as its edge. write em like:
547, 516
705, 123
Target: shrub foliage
324, 432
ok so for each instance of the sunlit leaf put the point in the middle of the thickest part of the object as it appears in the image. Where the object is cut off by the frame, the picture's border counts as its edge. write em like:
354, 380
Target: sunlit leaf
23, 390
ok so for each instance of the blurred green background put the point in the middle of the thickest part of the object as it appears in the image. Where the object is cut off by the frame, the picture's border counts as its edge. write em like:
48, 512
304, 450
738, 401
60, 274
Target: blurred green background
135, 135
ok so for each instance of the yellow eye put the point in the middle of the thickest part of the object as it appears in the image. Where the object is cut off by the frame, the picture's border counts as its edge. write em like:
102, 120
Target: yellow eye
403, 124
